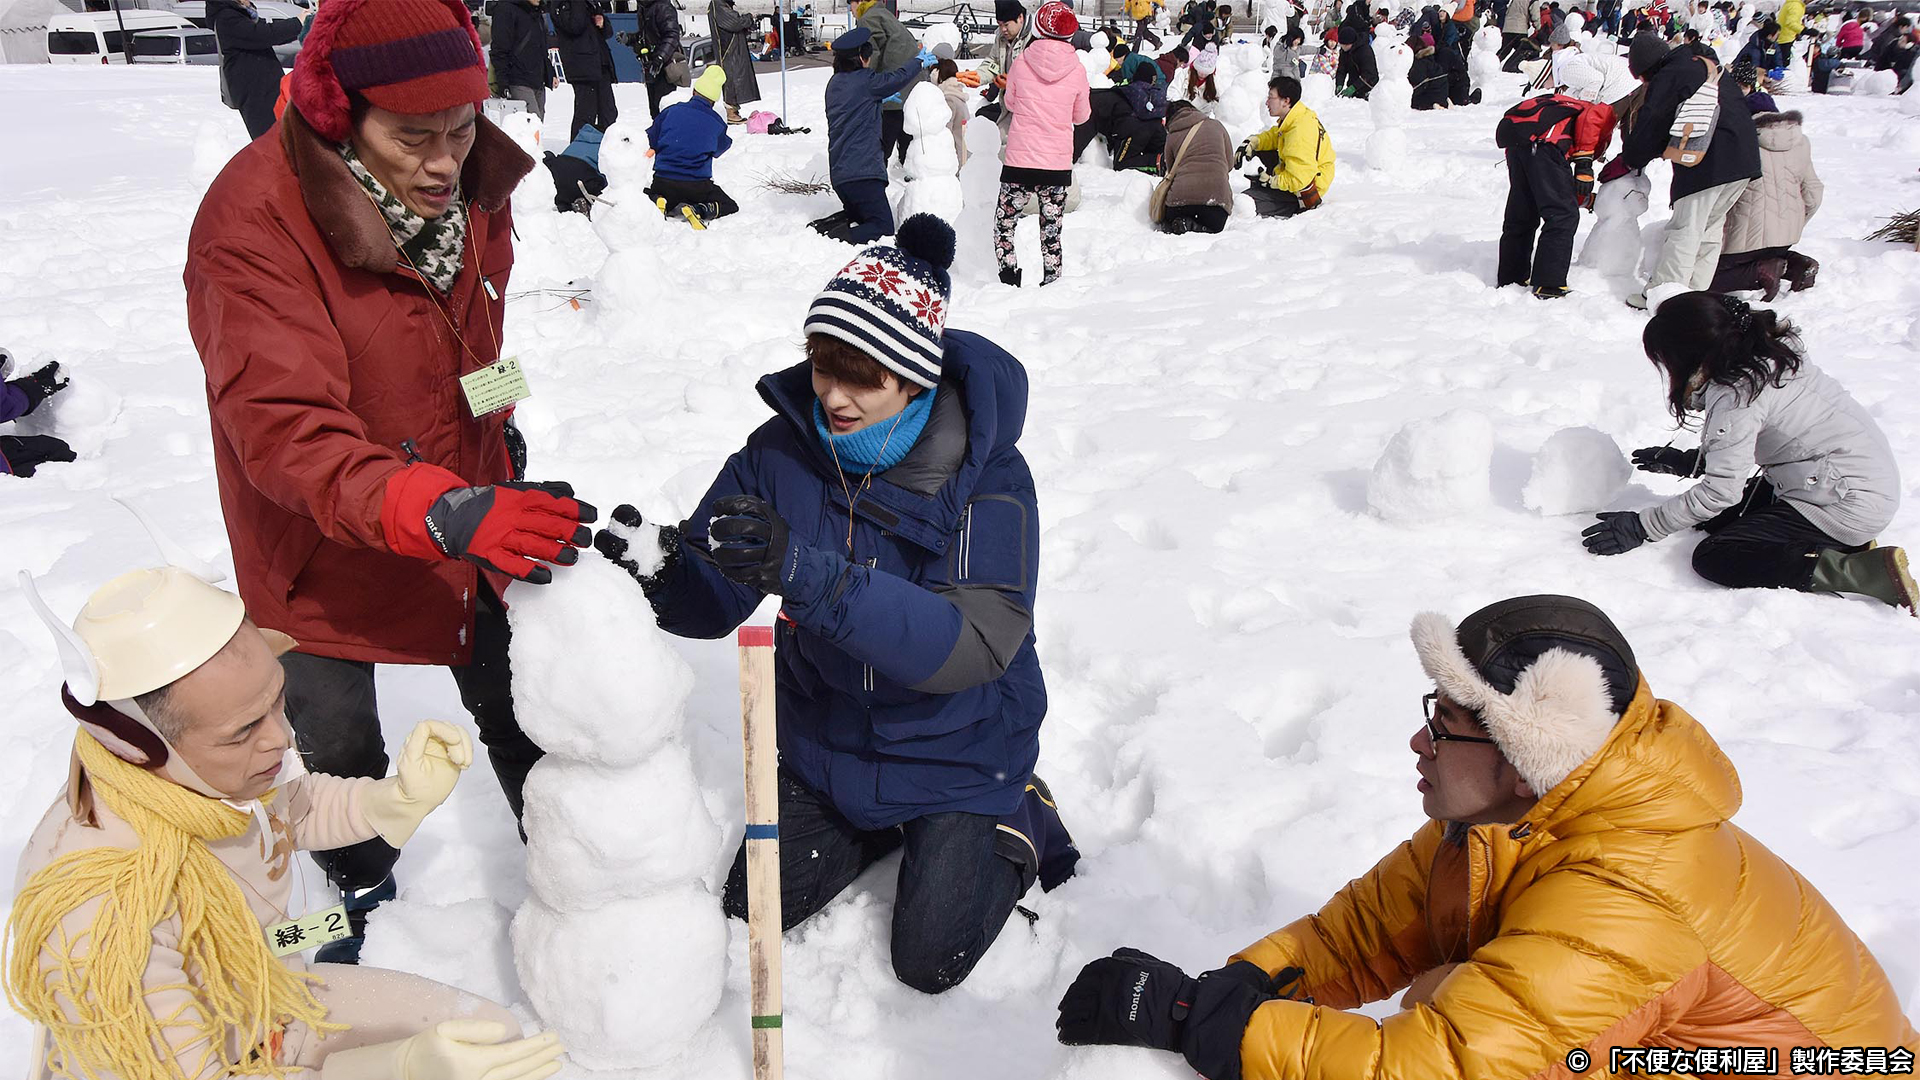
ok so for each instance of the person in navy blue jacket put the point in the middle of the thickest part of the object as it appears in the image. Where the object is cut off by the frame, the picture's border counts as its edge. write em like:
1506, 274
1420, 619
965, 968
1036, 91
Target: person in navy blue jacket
21, 455
889, 507
685, 140
856, 166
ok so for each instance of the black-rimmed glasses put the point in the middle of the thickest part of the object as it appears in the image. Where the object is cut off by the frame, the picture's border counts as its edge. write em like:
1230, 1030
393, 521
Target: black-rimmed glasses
1434, 731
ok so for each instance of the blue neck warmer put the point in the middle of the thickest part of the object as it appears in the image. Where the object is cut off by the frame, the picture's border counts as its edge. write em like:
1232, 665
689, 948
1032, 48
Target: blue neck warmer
862, 449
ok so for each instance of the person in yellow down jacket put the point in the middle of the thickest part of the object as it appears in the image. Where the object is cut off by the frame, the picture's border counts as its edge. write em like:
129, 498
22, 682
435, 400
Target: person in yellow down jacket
1142, 12
1792, 18
1295, 155
1579, 903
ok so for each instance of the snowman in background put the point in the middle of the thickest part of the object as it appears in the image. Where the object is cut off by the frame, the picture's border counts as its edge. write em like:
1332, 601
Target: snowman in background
1391, 102
933, 168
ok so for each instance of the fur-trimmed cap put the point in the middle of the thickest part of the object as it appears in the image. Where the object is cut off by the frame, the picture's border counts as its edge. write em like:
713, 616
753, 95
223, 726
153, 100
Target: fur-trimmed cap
1548, 675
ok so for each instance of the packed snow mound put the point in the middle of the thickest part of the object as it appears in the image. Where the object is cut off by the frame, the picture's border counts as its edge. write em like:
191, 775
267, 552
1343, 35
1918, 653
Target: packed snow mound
626, 985
611, 713
1876, 84
1577, 470
1614, 246
1434, 468
1316, 90
596, 834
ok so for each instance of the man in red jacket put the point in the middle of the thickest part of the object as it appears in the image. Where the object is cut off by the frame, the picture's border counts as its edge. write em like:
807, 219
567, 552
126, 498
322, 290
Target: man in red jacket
342, 278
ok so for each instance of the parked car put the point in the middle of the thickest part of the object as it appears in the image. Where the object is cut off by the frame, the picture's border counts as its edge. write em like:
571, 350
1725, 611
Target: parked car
195, 12
189, 46
93, 37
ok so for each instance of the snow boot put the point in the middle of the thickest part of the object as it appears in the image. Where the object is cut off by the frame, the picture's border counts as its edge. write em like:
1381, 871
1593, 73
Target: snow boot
1767, 273
692, 214
662, 204
1473, 98
359, 903
1801, 271
1034, 839
1180, 226
1551, 292
1010, 276
733, 115
826, 225
1638, 301
1879, 572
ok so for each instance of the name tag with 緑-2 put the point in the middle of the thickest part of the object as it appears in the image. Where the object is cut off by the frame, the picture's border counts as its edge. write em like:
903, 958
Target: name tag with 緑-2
308, 931
495, 386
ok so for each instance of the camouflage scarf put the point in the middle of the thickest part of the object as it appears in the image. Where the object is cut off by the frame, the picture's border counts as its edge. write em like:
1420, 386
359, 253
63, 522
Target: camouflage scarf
434, 246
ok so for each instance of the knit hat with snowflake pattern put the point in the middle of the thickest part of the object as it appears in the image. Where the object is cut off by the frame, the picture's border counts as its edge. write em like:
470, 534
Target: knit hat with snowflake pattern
891, 302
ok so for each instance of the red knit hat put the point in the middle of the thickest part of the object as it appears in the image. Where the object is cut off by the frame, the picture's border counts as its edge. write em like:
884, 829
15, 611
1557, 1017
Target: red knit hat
405, 56
1055, 20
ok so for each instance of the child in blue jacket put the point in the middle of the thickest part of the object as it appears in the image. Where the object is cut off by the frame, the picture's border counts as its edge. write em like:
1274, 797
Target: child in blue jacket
889, 507
685, 140
856, 166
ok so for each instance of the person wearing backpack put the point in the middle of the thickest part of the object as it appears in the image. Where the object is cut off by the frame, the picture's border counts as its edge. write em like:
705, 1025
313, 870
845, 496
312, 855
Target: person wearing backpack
1542, 136
1707, 180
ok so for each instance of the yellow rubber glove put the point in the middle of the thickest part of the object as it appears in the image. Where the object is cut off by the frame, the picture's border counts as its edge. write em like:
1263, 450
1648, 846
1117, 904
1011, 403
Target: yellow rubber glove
450, 1050
429, 765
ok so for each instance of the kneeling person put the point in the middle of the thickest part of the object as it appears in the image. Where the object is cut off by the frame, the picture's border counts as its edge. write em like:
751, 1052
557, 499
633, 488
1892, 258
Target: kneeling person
685, 140
1579, 887
155, 892
887, 504
1295, 155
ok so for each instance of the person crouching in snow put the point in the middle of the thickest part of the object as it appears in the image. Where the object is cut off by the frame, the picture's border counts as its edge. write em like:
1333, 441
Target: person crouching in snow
1357, 72
22, 455
1047, 96
1579, 887
855, 164
1772, 213
1542, 136
1199, 197
1829, 482
889, 507
685, 140
1295, 155
150, 934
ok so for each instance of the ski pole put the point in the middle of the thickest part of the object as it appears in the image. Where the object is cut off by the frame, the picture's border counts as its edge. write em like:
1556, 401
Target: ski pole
761, 753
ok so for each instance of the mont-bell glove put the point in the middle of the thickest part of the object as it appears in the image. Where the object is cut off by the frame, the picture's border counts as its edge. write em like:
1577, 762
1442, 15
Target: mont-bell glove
1223, 1002
617, 540
1616, 533
26, 453
1670, 460
750, 543
513, 528
1127, 999
40, 385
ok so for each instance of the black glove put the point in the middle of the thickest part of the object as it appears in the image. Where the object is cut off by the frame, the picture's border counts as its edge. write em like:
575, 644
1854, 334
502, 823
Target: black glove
749, 543
615, 542
25, 453
1127, 999
1583, 182
1667, 459
513, 528
1222, 1003
516, 450
40, 385
1616, 533
1245, 153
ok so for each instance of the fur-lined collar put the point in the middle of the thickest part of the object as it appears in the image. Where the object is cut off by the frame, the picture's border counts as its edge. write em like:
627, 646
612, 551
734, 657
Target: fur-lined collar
1772, 119
352, 224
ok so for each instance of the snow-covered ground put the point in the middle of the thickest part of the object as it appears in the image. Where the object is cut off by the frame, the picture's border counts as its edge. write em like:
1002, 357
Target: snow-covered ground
1222, 621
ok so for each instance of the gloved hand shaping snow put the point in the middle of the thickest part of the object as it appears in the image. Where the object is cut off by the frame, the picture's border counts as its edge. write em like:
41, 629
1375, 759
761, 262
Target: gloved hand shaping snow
1616, 533
926, 57
750, 543
450, 1050
430, 764
514, 528
1133, 999
1245, 152
1670, 460
40, 385
645, 562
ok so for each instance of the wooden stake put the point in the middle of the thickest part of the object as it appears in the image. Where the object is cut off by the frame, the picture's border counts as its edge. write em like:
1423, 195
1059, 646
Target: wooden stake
763, 847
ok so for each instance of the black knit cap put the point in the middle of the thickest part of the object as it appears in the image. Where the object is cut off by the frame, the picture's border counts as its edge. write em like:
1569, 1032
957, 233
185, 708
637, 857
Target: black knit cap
1008, 10
1644, 54
1503, 639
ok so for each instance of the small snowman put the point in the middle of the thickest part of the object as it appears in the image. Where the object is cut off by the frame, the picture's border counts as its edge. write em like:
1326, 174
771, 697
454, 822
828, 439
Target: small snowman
1614, 245
933, 168
1391, 101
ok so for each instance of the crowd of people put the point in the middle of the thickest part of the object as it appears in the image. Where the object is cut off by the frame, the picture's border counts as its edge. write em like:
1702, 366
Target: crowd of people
338, 270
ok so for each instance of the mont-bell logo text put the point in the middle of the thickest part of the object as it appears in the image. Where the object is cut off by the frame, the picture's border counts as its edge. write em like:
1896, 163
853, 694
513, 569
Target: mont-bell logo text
1139, 988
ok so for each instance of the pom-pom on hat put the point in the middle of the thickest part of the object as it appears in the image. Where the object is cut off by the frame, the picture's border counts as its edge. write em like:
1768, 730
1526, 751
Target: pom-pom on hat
891, 302
1055, 20
406, 56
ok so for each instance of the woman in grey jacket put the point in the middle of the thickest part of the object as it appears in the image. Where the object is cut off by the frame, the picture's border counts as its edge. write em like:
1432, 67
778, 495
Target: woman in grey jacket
1828, 481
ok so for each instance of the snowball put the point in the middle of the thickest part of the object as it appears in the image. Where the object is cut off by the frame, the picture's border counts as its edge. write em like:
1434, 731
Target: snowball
83, 414
593, 676
1316, 90
1577, 471
1434, 468
1875, 83
1387, 150
595, 834
627, 985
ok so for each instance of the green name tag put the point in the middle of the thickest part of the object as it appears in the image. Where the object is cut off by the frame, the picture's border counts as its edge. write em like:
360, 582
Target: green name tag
309, 931
495, 386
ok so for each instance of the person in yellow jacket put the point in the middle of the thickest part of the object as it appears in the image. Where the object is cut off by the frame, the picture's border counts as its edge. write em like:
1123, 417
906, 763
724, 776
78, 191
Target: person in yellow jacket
1142, 13
1792, 18
1579, 903
1295, 155
155, 932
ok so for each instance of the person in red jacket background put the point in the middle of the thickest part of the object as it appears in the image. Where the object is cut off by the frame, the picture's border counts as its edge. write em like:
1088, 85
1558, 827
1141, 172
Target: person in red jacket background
341, 278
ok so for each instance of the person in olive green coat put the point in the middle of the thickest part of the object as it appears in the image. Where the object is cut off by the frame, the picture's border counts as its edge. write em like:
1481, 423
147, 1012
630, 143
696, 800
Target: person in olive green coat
894, 46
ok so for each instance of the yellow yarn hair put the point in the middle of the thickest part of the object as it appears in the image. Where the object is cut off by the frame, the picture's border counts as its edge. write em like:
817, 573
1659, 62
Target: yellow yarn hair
91, 997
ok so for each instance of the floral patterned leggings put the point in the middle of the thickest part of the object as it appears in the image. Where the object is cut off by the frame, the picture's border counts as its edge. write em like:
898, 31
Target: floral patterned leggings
1006, 213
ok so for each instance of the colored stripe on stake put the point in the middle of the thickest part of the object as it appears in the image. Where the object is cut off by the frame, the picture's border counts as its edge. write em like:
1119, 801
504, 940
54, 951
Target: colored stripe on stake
766, 1021
763, 832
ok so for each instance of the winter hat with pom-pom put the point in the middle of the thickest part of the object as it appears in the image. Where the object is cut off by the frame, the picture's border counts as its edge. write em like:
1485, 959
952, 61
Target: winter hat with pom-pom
405, 56
1055, 20
891, 302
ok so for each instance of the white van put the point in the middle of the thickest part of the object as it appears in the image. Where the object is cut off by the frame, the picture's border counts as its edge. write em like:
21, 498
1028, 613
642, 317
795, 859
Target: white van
93, 37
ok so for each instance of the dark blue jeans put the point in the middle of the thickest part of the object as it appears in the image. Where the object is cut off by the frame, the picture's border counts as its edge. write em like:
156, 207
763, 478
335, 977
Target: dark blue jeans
955, 892
869, 215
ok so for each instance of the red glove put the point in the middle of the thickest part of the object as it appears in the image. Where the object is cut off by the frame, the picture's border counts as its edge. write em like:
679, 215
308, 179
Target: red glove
1615, 169
512, 528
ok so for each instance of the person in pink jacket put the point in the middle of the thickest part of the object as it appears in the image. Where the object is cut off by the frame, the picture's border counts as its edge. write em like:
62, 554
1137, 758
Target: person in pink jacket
1046, 96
